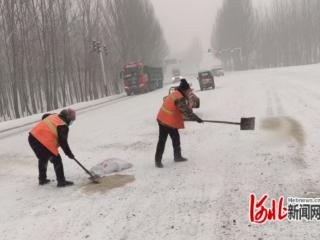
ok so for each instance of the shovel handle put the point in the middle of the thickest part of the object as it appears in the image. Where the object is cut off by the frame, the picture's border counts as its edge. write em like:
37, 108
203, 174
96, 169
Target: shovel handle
86, 170
225, 122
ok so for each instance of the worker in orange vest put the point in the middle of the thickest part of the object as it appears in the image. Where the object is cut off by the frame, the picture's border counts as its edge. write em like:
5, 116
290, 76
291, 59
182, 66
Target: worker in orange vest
45, 139
170, 119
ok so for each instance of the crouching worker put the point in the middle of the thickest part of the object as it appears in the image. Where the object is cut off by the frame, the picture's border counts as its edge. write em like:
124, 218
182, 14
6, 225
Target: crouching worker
45, 139
170, 119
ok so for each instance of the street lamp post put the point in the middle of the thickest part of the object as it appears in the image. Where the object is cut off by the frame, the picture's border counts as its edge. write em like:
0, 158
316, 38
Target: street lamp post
98, 48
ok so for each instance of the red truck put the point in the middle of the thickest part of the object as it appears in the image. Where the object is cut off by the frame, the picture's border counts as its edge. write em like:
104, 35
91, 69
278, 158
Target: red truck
139, 78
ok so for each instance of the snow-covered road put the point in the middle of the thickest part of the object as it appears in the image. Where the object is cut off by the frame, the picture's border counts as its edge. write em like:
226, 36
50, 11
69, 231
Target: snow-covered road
204, 198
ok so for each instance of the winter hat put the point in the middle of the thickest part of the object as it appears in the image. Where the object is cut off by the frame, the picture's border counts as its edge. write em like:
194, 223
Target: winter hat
184, 85
69, 114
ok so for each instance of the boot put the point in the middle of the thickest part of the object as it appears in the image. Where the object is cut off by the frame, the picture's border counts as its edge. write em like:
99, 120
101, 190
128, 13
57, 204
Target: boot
177, 154
58, 168
44, 182
180, 159
158, 160
65, 183
159, 164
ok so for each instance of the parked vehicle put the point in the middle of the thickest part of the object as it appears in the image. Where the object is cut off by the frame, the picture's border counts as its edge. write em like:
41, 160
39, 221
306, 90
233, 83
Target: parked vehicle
139, 78
206, 80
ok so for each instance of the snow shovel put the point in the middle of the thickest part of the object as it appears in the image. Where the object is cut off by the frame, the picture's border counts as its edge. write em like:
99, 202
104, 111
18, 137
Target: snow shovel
93, 177
245, 123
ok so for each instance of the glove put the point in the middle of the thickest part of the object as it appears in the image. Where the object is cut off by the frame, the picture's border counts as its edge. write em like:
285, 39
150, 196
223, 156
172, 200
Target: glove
71, 156
199, 120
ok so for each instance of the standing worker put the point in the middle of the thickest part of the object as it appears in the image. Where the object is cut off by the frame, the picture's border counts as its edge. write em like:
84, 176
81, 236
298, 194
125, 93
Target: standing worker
170, 119
45, 139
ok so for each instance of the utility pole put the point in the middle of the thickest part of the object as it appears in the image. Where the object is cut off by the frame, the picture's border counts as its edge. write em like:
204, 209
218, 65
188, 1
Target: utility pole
109, 83
97, 47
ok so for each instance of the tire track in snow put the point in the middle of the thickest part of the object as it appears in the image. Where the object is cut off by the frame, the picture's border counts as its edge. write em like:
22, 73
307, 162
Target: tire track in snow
287, 127
269, 107
295, 130
310, 186
284, 179
266, 172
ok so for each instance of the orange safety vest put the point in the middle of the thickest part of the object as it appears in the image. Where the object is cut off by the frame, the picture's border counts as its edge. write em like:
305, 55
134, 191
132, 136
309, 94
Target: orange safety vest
169, 114
47, 134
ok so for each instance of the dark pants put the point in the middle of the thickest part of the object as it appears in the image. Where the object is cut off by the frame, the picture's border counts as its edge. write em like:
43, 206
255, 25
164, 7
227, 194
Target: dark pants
163, 135
44, 155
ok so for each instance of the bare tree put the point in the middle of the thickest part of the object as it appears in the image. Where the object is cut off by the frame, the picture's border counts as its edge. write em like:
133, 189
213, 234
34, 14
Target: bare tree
47, 59
287, 34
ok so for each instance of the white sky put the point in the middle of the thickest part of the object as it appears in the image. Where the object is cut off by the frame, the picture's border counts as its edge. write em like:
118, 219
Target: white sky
183, 20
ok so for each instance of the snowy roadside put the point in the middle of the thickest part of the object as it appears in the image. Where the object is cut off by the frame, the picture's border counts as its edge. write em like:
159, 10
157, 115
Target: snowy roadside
17, 124
21, 124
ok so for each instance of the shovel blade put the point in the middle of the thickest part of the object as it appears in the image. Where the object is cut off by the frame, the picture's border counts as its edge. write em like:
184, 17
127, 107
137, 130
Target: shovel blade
247, 123
95, 178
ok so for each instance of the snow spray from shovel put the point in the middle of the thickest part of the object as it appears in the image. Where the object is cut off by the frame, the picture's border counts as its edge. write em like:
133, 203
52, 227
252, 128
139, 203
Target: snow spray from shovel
245, 123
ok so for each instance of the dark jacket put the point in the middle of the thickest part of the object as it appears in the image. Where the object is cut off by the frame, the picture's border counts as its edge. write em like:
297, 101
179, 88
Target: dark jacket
183, 105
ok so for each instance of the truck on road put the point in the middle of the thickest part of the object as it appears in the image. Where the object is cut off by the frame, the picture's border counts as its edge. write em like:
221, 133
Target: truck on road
140, 78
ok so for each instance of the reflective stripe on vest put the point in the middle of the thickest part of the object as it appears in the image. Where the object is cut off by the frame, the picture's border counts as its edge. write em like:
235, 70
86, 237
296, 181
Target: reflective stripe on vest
53, 129
47, 134
165, 109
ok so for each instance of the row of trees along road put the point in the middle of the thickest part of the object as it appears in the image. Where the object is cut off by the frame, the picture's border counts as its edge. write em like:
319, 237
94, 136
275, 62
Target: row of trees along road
285, 33
47, 57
